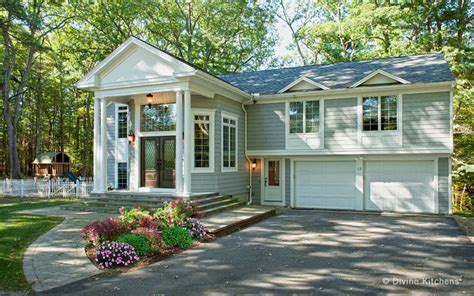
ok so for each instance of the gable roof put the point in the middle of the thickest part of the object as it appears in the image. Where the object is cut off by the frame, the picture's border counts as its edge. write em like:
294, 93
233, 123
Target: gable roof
425, 68
382, 73
303, 79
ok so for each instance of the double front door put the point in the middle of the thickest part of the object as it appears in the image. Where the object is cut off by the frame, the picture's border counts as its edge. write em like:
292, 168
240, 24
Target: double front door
158, 162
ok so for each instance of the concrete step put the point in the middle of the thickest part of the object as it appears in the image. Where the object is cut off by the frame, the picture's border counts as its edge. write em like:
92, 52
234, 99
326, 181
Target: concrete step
218, 209
207, 200
217, 203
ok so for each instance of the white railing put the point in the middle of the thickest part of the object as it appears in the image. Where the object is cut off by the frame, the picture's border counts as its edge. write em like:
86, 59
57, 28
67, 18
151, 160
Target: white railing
45, 188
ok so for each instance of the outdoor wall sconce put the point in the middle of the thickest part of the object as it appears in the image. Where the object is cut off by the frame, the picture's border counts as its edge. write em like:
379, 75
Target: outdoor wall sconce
254, 164
149, 96
131, 137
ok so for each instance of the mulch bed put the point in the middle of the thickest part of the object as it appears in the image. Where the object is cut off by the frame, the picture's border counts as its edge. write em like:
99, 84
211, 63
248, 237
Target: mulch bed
148, 259
467, 225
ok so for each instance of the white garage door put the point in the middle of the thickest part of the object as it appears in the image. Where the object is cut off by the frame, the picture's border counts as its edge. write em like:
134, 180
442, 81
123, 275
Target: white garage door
401, 186
325, 184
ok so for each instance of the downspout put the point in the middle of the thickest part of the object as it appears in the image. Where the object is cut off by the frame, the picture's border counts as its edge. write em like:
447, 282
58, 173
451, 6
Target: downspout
245, 144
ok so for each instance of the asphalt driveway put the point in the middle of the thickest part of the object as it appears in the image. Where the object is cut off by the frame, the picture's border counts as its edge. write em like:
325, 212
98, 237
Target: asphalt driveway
310, 252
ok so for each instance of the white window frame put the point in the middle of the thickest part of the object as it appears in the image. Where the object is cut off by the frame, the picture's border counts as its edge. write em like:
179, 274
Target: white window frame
379, 113
117, 161
234, 117
211, 114
304, 117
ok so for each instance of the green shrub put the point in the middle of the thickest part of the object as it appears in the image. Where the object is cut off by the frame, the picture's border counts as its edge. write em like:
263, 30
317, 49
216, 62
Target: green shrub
139, 242
177, 237
133, 218
174, 212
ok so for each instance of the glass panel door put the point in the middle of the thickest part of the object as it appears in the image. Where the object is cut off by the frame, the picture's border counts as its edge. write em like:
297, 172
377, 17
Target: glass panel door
158, 162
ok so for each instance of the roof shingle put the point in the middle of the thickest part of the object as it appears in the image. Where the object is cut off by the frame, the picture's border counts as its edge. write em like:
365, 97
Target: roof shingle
416, 69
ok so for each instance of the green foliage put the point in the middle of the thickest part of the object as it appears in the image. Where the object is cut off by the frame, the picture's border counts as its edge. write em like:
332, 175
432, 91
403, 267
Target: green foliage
177, 237
173, 212
18, 232
139, 242
132, 217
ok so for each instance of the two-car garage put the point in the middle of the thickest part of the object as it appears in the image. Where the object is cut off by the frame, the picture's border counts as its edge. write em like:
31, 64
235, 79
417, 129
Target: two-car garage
395, 185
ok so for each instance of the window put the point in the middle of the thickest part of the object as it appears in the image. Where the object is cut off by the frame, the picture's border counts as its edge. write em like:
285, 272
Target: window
122, 122
304, 117
201, 141
122, 179
229, 143
379, 113
159, 117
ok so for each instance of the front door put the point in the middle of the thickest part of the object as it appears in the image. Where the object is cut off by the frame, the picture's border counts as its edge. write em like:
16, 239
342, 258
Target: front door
158, 162
272, 181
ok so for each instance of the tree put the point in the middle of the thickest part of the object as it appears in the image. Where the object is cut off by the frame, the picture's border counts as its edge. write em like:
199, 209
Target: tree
24, 27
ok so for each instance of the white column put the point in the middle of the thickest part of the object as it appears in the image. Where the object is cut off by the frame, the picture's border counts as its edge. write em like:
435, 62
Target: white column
179, 142
103, 146
187, 142
96, 149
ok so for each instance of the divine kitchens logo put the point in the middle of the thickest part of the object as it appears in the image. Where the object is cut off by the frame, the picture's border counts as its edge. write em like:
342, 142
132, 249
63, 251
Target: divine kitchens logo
421, 282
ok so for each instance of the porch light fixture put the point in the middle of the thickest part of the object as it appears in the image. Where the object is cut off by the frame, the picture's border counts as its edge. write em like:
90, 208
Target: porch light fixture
149, 96
131, 137
254, 164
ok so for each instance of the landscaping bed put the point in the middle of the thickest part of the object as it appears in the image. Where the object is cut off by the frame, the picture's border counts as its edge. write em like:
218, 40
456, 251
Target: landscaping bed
139, 237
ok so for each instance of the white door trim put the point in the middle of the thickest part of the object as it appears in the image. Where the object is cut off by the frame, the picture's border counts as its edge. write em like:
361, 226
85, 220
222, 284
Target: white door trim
282, 182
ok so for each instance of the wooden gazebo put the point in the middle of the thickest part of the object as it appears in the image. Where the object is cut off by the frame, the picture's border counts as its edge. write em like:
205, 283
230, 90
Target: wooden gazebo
51, 164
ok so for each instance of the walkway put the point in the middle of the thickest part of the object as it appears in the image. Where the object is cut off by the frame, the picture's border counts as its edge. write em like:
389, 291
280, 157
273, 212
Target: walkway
57, 257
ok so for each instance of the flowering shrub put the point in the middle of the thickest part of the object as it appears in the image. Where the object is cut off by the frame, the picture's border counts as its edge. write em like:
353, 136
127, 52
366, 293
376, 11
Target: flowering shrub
196, 228
177, 236
153, 235
111, 254
137, 218
173, 212
138, 242
97, 232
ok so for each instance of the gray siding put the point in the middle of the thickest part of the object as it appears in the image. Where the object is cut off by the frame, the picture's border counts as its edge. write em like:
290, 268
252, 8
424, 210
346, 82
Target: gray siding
257, 184
111, 145
287, 183
426, 120
443, 185
229, 183
266, 126
340, 124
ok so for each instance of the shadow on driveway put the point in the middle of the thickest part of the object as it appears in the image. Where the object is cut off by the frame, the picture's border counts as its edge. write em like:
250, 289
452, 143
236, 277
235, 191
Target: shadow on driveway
303, 251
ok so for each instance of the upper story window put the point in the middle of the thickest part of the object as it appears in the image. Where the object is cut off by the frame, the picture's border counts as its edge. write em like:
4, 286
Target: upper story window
158, 117
122, 122
379, 113
229, 143
304, 117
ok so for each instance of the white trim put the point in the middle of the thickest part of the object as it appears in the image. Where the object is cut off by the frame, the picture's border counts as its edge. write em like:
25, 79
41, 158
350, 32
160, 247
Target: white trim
381, 72
282, 183
292, 183
451, 131
212, 126
303, 79
321, 124
359, 91
359, 184
187, 145
231, 116
450, 186
400, 119
366, 151
435, 186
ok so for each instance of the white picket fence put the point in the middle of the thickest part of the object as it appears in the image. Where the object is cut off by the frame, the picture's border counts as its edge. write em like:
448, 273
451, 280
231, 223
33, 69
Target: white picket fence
45, 188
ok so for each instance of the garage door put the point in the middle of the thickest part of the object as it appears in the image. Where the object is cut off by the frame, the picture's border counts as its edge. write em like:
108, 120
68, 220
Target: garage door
401, 186
325, 184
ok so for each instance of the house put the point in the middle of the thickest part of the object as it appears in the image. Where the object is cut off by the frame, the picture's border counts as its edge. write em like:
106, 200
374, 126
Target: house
51, 164
372, 135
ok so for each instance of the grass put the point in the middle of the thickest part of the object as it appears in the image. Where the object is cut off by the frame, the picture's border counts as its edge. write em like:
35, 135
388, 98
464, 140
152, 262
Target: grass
17, 232
465, 214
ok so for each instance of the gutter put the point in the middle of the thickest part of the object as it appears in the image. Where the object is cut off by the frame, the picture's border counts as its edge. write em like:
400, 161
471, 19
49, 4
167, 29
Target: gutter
246, 148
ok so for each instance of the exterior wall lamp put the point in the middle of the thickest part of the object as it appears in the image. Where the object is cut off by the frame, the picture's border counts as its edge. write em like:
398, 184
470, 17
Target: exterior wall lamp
131, 137
149, 96
254, 164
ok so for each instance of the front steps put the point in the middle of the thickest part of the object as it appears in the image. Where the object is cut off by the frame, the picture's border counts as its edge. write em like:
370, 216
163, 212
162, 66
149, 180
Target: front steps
206, 203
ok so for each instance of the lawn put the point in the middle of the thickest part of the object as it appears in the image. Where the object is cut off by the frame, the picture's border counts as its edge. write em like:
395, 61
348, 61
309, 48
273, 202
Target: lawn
17, 232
